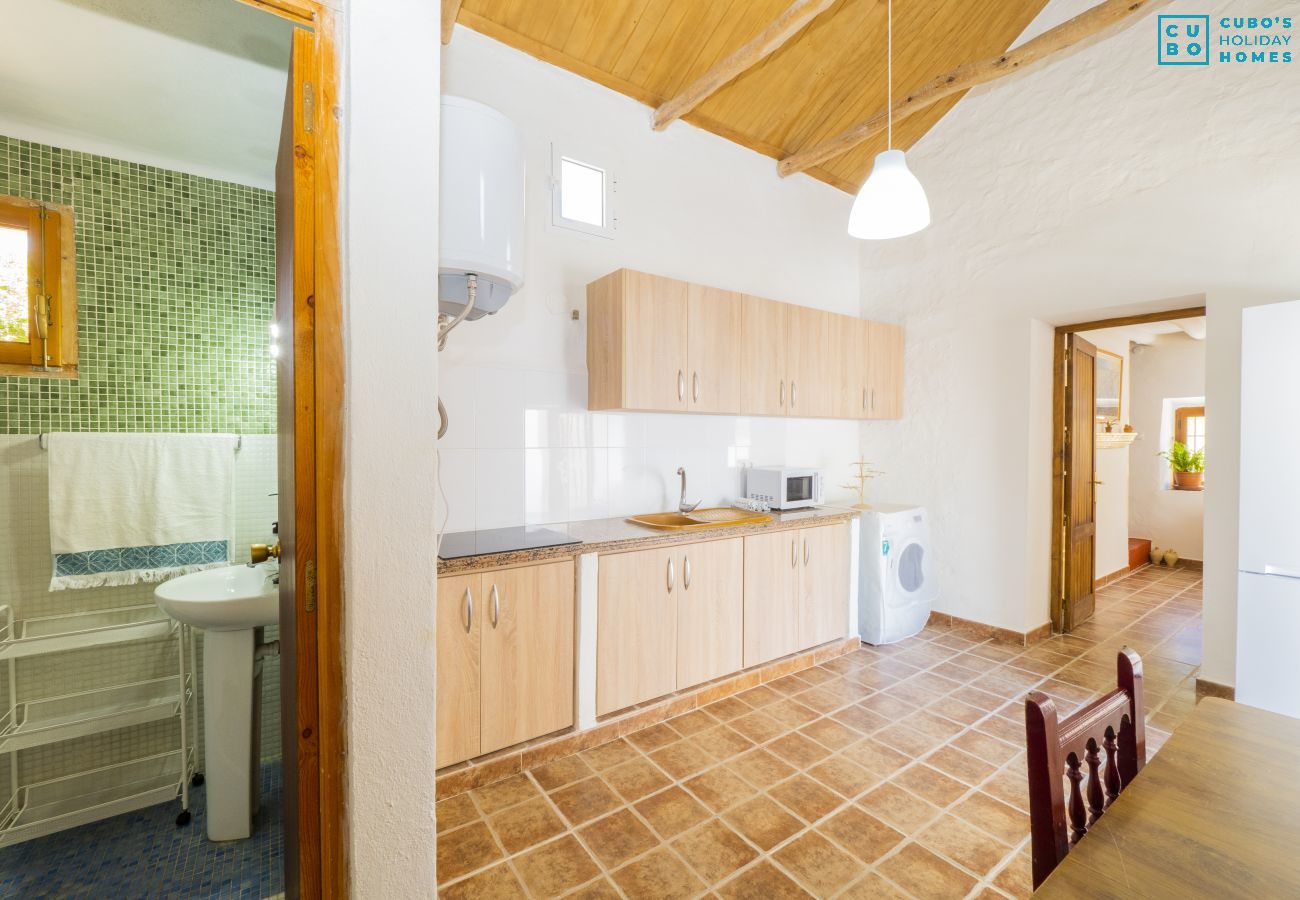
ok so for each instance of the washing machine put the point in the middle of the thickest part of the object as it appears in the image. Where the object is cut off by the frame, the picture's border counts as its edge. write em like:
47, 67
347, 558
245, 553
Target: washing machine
896, 586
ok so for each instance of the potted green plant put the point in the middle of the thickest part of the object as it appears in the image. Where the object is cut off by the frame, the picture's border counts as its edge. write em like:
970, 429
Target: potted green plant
1189, 468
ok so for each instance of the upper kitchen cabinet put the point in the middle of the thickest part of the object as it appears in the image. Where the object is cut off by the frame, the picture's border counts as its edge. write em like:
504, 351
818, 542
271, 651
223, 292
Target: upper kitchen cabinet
885, 372
637, 354
761, 347
714, 321
656, 344
807, 362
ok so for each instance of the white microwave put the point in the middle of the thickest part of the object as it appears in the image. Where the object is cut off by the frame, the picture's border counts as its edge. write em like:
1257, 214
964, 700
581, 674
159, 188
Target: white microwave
784, 488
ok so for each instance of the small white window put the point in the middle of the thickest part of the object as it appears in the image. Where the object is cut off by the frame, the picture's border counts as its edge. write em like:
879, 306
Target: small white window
583, 195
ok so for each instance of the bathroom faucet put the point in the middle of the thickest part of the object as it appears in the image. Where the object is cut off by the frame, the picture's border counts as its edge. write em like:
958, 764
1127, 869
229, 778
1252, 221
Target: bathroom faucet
682, 505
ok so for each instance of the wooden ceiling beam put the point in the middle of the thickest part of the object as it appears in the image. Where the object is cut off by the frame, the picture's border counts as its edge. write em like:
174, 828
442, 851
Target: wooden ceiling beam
785, 26
1056, 40
450, 10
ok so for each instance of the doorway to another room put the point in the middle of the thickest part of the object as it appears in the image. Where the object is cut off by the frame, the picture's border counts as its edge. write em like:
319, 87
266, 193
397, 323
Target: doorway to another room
1129, 434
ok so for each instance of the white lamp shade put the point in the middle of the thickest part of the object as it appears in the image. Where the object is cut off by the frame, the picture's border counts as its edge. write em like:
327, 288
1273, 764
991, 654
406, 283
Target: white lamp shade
891, 203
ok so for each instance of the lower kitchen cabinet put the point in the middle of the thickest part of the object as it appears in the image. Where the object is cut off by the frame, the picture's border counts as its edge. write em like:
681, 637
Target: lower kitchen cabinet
667, 619
458, 628
504, 658
771, 596
710, 611
796, 590
636, 627
823, 584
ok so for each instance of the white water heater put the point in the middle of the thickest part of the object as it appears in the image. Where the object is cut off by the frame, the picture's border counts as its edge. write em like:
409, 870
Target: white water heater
480, 207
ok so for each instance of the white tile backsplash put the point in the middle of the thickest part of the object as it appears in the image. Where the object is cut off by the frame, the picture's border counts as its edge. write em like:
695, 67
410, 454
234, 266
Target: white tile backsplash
521, 448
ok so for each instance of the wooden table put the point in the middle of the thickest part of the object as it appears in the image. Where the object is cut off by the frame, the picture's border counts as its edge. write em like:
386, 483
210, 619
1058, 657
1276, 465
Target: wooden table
1216, 813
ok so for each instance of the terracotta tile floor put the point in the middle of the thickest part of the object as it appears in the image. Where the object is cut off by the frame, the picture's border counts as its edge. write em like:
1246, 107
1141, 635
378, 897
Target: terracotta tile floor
892, 771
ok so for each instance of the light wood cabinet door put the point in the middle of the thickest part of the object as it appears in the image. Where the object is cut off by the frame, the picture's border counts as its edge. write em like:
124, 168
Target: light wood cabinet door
850, 342
823, 584
885, 389
458, 621
764, 389
654, 342
807, 364
771, 596
714, 332
636, 627
527, 661
710, 611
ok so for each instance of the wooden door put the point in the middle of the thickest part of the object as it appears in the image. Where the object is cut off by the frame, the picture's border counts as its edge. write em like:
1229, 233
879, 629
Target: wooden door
713, 334
296, 486
823, 584
654, 342
710, 611
527, 656
636, 627
885, 387
763, 339
458, 625
850, 360
808, 361
1078, 485
771, 595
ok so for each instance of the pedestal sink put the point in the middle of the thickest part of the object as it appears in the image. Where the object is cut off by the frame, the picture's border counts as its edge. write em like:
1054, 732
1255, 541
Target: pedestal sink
231, 604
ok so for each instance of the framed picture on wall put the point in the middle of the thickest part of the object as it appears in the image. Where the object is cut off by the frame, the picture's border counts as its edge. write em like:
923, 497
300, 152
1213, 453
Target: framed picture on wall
1109, 385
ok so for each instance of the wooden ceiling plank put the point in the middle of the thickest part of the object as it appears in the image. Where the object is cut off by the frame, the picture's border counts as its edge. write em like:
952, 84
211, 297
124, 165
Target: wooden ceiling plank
556, 57
772, 38
450, 9
1087, 24
618, 59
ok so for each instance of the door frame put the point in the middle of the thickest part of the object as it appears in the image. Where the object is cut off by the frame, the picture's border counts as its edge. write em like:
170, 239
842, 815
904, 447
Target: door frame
319, 867
1060, 484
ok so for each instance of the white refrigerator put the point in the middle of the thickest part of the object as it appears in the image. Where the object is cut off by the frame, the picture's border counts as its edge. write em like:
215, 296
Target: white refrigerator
1268, 577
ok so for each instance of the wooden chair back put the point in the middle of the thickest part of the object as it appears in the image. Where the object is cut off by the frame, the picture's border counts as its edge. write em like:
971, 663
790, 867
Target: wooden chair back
1060, 749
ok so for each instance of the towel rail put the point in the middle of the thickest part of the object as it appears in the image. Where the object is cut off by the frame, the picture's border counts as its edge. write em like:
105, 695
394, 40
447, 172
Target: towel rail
44, 445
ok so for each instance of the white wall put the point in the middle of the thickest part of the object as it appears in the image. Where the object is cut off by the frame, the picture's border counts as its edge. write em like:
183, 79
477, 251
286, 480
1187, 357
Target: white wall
1172, 367
1100, 185
390, 116
1112, 467
521, 446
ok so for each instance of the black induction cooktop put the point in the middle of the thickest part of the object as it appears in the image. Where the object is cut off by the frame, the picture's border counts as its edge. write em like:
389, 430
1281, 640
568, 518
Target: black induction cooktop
460, 544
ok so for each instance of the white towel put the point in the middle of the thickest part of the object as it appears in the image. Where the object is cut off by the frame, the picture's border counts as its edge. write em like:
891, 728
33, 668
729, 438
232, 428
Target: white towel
139, 496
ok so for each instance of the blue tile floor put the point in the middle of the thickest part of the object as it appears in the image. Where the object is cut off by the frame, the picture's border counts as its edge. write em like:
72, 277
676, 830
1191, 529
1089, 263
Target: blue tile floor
143, 854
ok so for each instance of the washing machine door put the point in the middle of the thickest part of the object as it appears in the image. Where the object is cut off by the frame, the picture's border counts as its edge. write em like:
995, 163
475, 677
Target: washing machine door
909, 572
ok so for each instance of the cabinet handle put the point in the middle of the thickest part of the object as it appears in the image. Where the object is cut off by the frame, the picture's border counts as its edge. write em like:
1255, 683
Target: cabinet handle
794, 554
873, 399
864, 398
672, 576
695, 386
681, 385
496, 606
469, 610
782, 392
686, 571
805, 551
794, 395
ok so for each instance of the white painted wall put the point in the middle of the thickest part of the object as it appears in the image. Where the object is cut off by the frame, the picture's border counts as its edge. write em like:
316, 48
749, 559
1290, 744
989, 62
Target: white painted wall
1173, 366
521, 446
1113, 468
1099, 185
390, 116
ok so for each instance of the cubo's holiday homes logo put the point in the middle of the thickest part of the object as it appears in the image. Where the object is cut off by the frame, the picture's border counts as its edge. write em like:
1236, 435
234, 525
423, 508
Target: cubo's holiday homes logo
1194, 40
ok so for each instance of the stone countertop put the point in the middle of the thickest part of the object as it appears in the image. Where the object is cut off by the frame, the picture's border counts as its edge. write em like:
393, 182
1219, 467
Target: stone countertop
619, 535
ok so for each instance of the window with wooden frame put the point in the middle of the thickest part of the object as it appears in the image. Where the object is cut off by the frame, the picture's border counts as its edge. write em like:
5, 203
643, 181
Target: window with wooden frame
1189, 427
38, 290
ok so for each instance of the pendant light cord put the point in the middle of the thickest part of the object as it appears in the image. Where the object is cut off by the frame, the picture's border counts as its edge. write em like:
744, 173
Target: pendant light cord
889, 97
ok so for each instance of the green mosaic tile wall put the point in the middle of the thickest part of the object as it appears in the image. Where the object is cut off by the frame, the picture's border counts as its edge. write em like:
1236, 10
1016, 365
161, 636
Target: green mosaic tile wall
175, 292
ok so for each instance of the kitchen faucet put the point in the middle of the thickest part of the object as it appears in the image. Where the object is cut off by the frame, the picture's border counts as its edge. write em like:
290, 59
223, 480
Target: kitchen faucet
682, 506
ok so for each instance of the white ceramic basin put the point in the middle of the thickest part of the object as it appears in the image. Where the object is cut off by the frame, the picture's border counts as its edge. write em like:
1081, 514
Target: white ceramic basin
227, 599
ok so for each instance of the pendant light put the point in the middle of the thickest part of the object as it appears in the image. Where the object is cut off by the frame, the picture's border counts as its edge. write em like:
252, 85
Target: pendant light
891, 202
